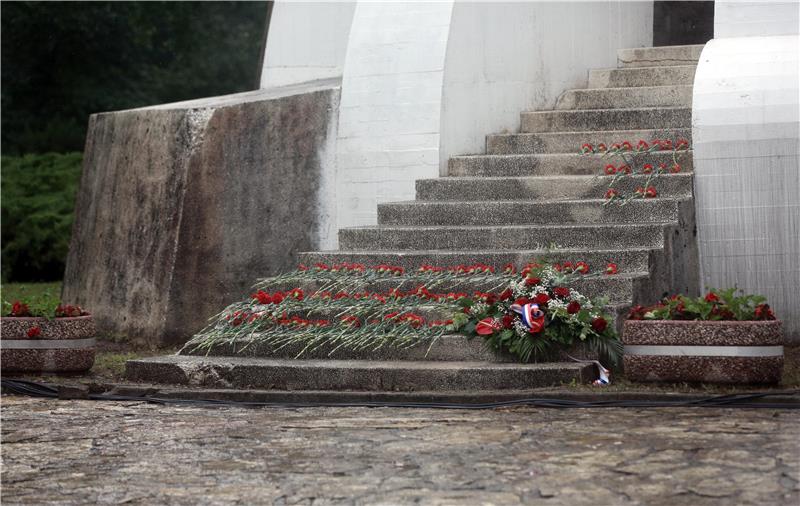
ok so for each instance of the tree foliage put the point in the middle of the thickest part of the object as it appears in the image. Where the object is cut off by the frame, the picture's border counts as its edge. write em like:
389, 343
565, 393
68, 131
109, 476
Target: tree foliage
38, 196
65, 60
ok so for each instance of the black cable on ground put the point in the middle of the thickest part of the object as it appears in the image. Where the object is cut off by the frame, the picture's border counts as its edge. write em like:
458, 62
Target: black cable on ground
744, 400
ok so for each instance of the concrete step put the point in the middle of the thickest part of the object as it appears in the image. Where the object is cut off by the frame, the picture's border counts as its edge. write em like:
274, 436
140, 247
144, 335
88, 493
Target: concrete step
549, 164
627, 260
617, 98
519, 212
659, 56
606, 119
354, 375
544, 187
446, 348
642, 76
571, 142
590, 236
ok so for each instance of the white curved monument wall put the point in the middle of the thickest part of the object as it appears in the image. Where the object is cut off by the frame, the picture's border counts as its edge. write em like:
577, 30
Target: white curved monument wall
746, 131
506, 57
390, 109
427, 80
306, 41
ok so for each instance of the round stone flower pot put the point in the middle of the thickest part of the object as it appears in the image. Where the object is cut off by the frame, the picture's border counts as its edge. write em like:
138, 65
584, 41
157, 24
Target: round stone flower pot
703, 351
32, 344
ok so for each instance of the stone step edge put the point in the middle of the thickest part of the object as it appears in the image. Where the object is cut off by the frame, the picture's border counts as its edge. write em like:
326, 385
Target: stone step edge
360, 375
631, 88
576, 154
597, 111
534, 201
467, 228
468, 252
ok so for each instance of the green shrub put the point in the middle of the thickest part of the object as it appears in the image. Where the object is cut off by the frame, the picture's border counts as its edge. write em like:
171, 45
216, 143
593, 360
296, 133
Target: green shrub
38, 197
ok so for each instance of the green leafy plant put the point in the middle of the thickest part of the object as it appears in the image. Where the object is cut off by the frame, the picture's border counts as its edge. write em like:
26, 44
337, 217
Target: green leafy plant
716, 305
38, 197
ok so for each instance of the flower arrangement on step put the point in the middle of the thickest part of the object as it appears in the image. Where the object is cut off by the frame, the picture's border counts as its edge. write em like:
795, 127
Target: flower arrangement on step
538, 314
637, 159
352, 307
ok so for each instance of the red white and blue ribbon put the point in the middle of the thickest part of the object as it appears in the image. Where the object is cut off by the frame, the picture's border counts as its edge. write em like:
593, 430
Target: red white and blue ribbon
532, 317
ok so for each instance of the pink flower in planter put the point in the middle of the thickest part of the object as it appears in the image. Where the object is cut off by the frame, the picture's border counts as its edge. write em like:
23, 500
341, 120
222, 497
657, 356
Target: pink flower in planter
34, 332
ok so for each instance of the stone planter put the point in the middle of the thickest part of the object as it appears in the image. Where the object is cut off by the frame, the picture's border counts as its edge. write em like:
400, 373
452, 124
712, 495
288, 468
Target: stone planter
703, 351
63, 344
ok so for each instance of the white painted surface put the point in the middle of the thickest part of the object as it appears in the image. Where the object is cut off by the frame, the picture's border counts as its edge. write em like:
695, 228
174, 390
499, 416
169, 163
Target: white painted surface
746, 131
424, 81
507, 57
390, 109
306, 41
743, 18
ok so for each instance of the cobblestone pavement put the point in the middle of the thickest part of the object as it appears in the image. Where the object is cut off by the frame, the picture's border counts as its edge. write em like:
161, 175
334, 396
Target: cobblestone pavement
70, 452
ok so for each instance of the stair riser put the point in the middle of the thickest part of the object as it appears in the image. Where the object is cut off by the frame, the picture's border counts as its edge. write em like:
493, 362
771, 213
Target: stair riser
607, 237
626, 260
523, 213
567, 142
551, 165
658, 56
605, 119
544, 188
446, 348
662, 96
644, 76
354, 376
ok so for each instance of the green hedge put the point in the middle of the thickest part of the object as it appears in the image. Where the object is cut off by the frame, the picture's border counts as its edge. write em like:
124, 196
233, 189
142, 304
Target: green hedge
38, 198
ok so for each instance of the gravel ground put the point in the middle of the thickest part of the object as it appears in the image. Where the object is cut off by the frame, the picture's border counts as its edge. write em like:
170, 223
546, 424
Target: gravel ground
78, 452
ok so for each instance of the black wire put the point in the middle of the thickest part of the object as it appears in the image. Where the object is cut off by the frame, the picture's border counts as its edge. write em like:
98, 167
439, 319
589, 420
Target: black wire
744, 400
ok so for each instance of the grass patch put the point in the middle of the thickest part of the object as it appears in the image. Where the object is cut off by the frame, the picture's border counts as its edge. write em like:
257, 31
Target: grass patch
19, 291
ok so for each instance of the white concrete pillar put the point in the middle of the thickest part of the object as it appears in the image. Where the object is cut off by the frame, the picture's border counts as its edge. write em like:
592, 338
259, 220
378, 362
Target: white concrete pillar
746, 134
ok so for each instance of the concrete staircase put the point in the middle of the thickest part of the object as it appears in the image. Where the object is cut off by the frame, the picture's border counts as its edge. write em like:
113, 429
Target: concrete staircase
531, 195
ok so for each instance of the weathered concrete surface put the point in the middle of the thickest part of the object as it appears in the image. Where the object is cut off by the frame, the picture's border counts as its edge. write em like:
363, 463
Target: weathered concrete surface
76, 452
182, 205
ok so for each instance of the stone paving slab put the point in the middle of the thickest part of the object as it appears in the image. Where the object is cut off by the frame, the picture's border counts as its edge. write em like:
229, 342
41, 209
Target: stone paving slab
76, 452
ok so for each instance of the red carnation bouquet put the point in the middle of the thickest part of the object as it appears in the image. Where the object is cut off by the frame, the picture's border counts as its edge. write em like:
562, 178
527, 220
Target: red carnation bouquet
538, 314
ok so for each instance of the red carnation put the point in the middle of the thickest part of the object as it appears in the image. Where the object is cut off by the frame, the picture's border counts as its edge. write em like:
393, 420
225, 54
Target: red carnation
485, 327
612, 194
599, 324
582, 267
561, 292
610, 169
278, 297
611, 268
19, 309
262, 297
626, 169
506, 294
647, 169
666, 145
650, 192
627, 146
587, 148
573, 307
712, 297
541, 299
763, 312
34, 332
675, 168
601, 147
297, 293
682, 144
642, 145
509, 269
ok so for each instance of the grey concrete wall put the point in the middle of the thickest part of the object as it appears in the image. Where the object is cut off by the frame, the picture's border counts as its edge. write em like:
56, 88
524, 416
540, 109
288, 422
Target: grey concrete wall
181, 206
